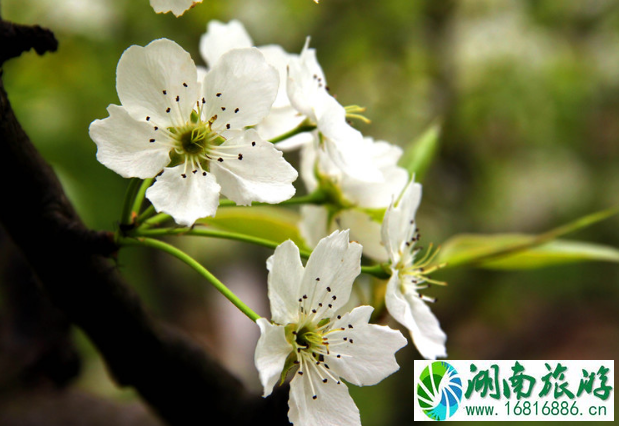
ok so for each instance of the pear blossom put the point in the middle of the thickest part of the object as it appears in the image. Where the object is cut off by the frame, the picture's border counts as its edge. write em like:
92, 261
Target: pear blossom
222, 37
309, 94
177, 7
191, 134
403, 299
353, 204
311, 336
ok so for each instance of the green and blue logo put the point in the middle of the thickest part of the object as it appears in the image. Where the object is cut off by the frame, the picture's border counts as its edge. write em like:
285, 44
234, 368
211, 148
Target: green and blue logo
439, 391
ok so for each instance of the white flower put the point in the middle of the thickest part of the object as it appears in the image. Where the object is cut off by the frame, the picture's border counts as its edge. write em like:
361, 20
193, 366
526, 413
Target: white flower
221, 38
177, 7
309, 335
309, 94
354, 204
194, 132
403, 301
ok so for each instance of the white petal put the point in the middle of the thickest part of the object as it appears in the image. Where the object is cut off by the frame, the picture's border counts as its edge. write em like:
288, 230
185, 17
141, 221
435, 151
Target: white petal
271, 353
257, 172
158, 81
329, 274
279, 58
309, 156
285, 275
295, 142
306, 83
240, 89
365, 231
186, 199
333, 405
368, 356
344, 144
377, 194
314, 224
177, 7
279, 121
410, 311
124, 145
398, 223
221, 38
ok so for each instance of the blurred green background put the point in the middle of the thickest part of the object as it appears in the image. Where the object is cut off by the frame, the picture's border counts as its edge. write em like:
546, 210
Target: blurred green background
528, 95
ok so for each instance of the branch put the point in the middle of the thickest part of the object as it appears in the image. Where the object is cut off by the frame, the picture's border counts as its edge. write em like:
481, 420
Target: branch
171, 372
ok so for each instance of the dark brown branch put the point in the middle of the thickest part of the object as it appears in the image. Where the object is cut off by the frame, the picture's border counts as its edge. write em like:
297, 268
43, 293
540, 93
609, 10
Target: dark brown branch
17, 39
173, 374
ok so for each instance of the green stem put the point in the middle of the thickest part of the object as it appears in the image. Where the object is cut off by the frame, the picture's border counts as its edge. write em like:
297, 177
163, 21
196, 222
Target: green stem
156, 220
381, 271
316, 197
200, 232
150, 211
303, 127
184, 257
139, 198
132, 190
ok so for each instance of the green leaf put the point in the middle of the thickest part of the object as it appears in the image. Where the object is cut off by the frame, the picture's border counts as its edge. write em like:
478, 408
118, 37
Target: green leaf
420, 154
269, 223
510, 251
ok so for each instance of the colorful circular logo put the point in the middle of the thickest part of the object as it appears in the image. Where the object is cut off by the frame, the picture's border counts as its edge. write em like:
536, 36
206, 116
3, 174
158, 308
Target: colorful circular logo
439, 391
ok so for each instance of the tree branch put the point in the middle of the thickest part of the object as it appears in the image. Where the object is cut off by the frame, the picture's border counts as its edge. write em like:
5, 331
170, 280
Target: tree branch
172, 373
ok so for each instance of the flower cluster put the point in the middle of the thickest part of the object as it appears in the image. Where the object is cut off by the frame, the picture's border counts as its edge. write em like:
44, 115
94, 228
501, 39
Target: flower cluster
359, 176
200, 133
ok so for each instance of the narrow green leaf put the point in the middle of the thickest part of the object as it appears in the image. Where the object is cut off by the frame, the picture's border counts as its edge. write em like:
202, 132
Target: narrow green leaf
420, 154
269, 223
493, 251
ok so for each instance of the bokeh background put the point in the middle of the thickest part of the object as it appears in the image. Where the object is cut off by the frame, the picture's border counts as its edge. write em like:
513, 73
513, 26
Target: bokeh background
527, 92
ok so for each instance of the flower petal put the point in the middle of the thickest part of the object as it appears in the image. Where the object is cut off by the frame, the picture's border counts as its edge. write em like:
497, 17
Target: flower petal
285, 276
364, 230
368, 356
240, 89
177, 7
333, 405
184, 194
306, 83
329, 274
257, 171
410, 311
130, 147
377, 194
279, 121
398, 224
271, 353
314, 224
279, 59
221, 38
344, 144
158, 81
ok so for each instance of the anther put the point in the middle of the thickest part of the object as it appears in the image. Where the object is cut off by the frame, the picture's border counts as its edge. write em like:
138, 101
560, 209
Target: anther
329, 289
236, 110
315, 396
324, 380
253, 144
223, 108
228, 126
168, 110
349, 325
152, 140
147, 118
218, 95
184, 176
240, 156
185, 84
178, 98
221, 160
165, 93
